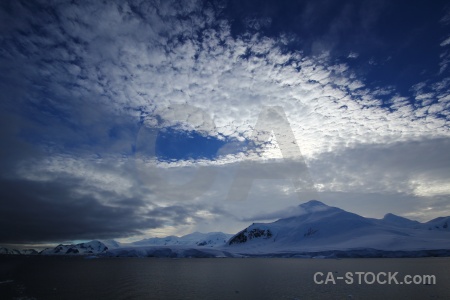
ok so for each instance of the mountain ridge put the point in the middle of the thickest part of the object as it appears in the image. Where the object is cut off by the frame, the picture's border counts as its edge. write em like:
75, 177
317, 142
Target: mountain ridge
313, 228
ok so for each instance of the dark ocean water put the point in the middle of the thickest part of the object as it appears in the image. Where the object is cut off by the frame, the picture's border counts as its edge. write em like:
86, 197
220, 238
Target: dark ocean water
36, 277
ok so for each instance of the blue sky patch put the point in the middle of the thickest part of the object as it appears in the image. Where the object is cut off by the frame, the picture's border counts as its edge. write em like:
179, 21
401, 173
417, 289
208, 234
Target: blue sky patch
173, 144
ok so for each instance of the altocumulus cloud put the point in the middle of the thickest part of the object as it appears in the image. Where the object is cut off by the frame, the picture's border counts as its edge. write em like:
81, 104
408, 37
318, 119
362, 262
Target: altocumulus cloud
80, 81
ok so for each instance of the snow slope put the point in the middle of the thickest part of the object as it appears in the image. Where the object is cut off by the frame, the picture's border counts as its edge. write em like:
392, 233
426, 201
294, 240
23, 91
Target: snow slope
111, 244
441, 224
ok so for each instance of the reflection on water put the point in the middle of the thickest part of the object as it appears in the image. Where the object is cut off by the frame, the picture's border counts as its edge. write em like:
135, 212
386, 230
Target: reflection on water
227, 278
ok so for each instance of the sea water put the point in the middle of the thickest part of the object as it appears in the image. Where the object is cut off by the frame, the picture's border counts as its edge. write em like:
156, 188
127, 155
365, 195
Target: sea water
40, 277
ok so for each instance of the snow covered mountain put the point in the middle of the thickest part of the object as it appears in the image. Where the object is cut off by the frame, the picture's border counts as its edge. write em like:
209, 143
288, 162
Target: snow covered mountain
28, 252
319, 227
400, 221
441, 223
211, 239
314, 229
7, 251
92, 247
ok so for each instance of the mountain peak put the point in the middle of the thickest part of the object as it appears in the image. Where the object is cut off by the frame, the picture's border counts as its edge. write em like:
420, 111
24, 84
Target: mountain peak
390, 216
394, 219
313, 204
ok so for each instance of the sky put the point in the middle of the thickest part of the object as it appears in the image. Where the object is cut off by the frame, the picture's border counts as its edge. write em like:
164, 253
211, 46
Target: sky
132, 119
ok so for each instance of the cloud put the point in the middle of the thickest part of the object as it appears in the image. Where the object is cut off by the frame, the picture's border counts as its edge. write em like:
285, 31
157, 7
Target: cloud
198, 61
288, 212
353, 55
384, 168
445, 55
80, 82
445, 20
445, 42
34, 212
67, 209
